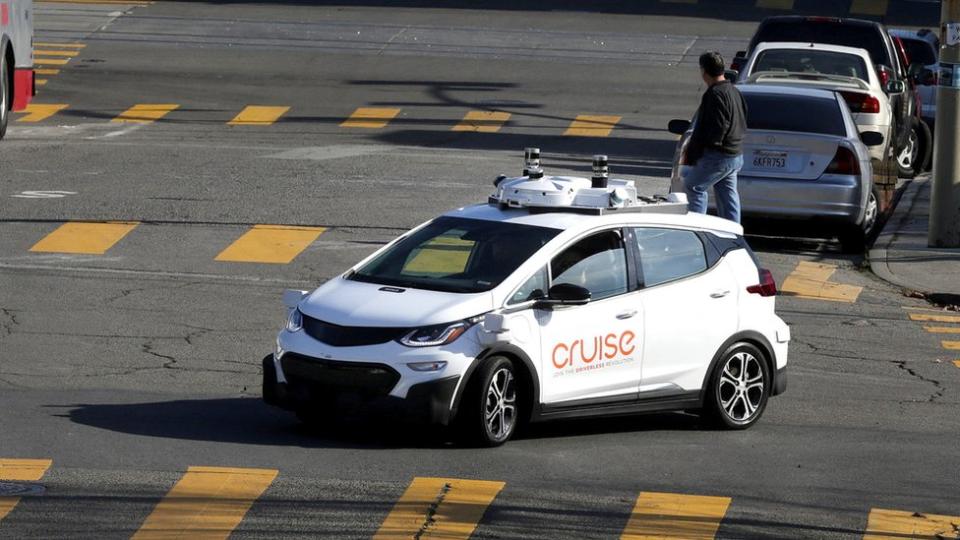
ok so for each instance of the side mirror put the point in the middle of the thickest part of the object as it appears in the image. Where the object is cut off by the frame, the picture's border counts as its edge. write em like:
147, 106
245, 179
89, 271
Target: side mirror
731, 75
566, 294
895, 87
678, 127
871, 138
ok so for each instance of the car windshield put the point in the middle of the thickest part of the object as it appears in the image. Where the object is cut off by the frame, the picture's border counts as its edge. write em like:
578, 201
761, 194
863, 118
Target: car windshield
812, 62
456, 255
804, 114
920, 51
827, 32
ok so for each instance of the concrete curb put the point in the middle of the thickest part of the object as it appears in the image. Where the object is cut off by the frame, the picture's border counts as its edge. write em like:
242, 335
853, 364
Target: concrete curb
877, 256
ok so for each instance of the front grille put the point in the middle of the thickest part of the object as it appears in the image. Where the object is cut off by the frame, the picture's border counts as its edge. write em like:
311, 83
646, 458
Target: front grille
350, 336
368, 378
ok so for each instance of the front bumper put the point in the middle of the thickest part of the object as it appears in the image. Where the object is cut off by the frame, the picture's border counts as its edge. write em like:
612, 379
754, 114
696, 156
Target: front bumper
311, 382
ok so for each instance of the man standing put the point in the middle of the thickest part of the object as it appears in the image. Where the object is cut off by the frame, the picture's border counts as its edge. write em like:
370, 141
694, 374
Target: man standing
714, 148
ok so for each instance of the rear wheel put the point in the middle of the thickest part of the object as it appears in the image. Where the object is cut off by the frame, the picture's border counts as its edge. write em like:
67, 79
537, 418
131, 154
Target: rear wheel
491, 410
5, 79
739, 387
909, 158
925, 151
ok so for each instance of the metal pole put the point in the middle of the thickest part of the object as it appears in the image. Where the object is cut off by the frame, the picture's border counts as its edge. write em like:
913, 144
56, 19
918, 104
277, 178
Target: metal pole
945, 196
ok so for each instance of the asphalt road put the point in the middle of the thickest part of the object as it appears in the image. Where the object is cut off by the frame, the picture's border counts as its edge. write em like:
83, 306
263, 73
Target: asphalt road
126, 368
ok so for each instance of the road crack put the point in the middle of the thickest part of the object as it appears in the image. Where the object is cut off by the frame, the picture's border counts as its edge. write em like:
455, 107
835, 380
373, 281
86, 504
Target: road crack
902, 364
430, 518
7, 321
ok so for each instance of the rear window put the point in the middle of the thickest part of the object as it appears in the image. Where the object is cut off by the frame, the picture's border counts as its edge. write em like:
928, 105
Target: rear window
794, 113
811, 61
831, 33
920, 51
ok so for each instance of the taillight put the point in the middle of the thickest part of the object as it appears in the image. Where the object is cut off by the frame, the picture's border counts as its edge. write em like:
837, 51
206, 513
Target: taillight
766, 287
884, 76
861, 103
844, 162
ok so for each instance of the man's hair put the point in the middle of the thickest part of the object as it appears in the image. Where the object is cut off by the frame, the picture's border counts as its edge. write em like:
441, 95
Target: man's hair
712, 63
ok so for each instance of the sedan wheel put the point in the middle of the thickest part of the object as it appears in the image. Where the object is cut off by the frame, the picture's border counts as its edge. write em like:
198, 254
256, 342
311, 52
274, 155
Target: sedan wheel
500, 411
740, 387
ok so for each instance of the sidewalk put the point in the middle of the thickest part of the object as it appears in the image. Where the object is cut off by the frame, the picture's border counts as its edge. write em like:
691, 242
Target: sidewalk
901, 256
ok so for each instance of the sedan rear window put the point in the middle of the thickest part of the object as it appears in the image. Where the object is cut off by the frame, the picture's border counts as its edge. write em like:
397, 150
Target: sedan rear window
794, 113
832, 33
920, 51
812, 62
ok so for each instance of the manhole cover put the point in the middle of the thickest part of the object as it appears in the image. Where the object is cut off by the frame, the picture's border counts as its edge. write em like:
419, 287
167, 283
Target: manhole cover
16, 489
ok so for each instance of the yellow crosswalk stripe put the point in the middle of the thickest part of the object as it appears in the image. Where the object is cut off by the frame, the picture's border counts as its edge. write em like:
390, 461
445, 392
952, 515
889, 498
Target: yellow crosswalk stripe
869, 7
951, 345
46, 71
934, 317
44, 52
40, 82
275, 244
20, 470
942, 329
144, 113
444, 508
775, 4
258, 115
812, 280
482, 121
586, 125
84, 237
671, 515
897, 524
370, 118
50, 44
207, 503
36, 112
956, 363
51, 61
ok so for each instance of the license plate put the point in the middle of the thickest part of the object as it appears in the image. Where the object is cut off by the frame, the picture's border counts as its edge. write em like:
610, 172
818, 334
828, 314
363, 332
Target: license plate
769, 160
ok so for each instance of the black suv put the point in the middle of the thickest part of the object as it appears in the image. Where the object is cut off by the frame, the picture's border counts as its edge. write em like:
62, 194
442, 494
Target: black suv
911, 138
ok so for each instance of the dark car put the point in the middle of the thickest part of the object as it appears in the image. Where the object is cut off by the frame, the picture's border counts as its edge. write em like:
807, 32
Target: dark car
910, 137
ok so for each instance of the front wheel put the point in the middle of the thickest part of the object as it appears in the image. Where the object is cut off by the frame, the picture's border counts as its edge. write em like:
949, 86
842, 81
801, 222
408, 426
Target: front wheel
739, 387
5, 79
491, 408
909, 158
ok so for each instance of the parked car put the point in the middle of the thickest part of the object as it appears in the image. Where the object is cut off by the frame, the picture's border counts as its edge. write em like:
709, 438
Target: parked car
804, 161
923, 47
908, 131
846, 70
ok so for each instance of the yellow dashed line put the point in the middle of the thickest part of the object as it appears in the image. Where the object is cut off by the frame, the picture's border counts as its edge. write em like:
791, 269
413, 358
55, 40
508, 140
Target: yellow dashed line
40, 82
68, 45
586, 125
258, 115
811, 280
44, 52
482, 121
370, 118
46, 71
669, 515
20, 470
36, 112
51, 61
897, 524
439, 508
930, 317
869, 7
956, 363
144, 113
274, 244
207, 502
84, 237
951, 345
942, 329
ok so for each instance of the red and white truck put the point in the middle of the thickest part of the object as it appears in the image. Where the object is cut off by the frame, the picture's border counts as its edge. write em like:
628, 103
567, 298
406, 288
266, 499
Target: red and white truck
16, 62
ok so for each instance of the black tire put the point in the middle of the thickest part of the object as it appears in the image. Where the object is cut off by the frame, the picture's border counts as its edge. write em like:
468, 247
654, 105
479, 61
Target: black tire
909, 159
6, 79
925, 152
853, 239
727, 402
484, 418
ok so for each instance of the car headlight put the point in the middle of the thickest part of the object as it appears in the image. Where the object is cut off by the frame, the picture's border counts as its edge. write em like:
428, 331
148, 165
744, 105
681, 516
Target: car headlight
438, 334
294, 320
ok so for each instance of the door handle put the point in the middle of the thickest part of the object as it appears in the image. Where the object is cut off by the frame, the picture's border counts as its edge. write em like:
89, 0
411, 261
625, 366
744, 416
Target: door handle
719, 293
626, 314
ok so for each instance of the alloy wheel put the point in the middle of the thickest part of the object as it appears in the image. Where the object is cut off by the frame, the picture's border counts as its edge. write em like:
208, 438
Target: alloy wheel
908, 156
741, 387
870, 212
500, 411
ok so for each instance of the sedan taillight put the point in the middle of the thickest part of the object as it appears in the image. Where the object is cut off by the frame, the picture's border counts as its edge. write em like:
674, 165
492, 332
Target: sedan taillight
844, 162
766, 287
861, 103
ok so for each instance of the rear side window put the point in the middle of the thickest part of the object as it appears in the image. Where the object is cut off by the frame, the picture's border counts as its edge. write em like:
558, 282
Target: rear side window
920, 51
669, 254
794, 113
811, 61
867, 37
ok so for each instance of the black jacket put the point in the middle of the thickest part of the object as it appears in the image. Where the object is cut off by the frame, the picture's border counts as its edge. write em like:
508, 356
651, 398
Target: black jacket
720, 124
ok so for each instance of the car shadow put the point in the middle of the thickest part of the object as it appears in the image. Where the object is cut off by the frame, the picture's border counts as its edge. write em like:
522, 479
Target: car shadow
247, 420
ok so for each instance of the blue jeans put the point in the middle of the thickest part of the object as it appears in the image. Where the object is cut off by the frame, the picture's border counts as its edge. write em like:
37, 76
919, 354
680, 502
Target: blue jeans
718, 170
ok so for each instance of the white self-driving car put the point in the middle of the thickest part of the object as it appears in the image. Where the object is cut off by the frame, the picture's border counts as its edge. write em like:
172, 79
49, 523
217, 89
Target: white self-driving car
560, 297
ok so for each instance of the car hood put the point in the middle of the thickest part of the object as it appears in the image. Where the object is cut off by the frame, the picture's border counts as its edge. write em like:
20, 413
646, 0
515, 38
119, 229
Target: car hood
354, 303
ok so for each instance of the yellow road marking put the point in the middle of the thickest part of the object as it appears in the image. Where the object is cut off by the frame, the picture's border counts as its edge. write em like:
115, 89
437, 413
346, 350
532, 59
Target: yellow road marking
942, 329
144, 113
895, 524
951, 345
586, 125
50, 61
670, 515
775, 4
84, 237
50, 44
930, 317
811, 280
370, 118
20, 470
438, 508
276, 244
869, 7
956, 363
207, 503
40, 82
36, 112
46, 71
43, 52
482, 121
258, 115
